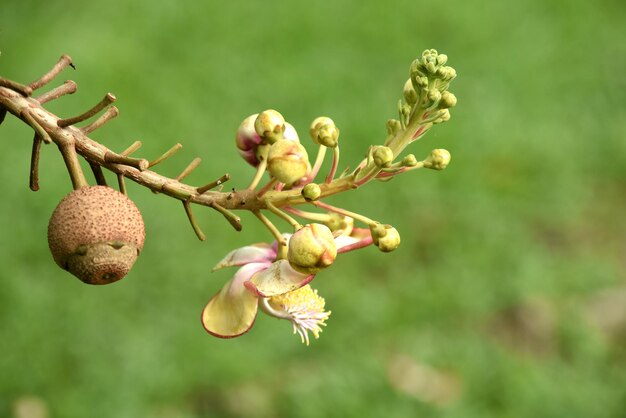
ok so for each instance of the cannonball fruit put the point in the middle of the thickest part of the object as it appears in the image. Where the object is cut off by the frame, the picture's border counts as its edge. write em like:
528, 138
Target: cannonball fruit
96, 233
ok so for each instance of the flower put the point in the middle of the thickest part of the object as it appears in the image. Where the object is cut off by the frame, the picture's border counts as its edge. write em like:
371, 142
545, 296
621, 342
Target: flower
274, 286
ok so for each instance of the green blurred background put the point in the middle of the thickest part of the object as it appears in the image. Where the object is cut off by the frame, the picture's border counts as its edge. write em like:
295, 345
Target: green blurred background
507, 297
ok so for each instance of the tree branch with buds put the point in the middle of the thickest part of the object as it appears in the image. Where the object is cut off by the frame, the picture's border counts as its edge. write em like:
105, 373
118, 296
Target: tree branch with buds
264, 140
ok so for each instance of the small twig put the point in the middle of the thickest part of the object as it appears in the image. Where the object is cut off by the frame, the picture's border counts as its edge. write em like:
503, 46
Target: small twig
140, 164
233, 219
166, 155
63, 62
333, 168
267, 187
291, 221
134, 147
111, 113
73, 166
319, 160
68, 87
213, 184
14, 85
33, 181
192, 220
282, 242
192, 166
317, 217
353, 215
26, 114
98, 174
107, 100
260, 170
121, 184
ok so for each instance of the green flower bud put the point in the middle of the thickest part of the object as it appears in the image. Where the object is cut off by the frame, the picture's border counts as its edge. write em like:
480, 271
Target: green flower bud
385, 237
337, 222
434, 95
409, 161
270, 125
324, 131
383, 156
393, 126
442, 59
444, 116
311, 192
287, 161
409, 93
438, 159
447, 100
311, 249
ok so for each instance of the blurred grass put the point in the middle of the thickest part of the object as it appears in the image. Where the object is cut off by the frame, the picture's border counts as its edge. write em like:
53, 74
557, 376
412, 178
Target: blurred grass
503, 254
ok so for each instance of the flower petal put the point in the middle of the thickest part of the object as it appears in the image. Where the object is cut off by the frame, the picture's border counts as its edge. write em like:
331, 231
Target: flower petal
255, 253
278, 279
231, 312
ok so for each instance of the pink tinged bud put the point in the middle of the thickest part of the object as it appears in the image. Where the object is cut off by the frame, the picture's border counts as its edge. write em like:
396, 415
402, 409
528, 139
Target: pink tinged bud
232, 311
248, 140
288, 161
312, 248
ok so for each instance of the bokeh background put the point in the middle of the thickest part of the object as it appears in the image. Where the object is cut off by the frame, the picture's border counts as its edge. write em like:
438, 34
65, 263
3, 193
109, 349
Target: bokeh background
507, 297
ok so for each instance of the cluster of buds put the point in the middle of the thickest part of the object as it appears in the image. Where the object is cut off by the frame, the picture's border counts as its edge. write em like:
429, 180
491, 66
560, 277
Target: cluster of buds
96, 232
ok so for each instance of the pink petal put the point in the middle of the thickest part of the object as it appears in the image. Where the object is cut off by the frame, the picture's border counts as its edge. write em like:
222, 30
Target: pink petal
278, 279
232, 311
256, 253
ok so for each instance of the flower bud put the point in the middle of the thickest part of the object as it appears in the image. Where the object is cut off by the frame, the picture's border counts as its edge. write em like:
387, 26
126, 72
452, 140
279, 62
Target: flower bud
311, 249
249, 143
311, 192
444, 116
448, 100
383, 156
393, 126
385, 237
434, 95
409, 161
337, 222
409, 93
438, 159
324, 131
287, 161
270, 126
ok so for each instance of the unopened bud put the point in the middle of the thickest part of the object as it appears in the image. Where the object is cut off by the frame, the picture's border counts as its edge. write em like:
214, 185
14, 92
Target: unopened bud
444, 116
438, 159
337, 222
409, 161
434, 95
393, 126
409, 93
311, 192
383, 156
448, 100
311, 249
385, 237
324, 131
287, 161
270, 125
442, 59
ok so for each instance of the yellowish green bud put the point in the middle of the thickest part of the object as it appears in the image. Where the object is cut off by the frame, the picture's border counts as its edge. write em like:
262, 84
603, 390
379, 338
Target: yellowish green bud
337, 222
434, 95
311, 249
438, 159
409, 93
442, 59
447, 100
383, 156
270, 125
409, 161
385, 237
444, 116
393, 126
311, 192
287, 161
324, 131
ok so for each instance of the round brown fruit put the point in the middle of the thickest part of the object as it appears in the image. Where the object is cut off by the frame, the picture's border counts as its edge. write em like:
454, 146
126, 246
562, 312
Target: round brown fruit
96, 233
